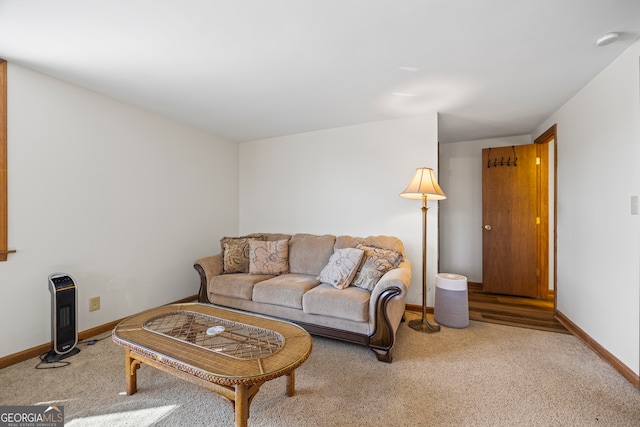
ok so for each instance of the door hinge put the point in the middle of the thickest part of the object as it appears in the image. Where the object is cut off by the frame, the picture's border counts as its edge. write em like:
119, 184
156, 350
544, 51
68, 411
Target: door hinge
537, 161
537, 220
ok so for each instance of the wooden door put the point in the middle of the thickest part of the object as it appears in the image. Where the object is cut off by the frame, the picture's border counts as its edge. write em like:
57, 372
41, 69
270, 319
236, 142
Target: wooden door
511, 221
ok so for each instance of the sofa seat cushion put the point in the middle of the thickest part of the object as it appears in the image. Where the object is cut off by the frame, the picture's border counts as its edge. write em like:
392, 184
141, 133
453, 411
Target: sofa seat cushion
286, 290
349, 303
239, 285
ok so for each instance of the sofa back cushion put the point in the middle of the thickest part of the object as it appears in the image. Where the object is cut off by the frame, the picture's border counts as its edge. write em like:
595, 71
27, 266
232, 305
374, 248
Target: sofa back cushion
270, 237
385, 242
309, 253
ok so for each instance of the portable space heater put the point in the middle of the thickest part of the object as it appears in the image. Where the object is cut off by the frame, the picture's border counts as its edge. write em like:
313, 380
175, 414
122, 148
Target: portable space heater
64, 332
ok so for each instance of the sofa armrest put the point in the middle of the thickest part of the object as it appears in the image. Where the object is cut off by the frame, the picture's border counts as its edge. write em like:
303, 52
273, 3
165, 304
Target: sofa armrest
207, 267
386, 309
399, 277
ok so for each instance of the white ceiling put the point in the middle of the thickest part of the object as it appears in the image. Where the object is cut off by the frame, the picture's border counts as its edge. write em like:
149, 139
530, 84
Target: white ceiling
251, 69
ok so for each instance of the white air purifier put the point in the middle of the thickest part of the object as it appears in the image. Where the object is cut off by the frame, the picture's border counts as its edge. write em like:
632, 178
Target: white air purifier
451, 306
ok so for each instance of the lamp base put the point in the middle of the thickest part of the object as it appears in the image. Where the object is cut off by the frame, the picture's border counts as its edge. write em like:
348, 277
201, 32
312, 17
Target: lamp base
423, 325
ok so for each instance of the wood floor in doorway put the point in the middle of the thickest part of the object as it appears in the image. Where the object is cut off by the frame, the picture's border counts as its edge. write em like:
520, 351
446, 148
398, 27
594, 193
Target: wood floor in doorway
513, 311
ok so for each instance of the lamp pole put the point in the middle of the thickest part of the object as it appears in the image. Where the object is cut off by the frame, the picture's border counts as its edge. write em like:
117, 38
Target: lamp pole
423, 325
424, 186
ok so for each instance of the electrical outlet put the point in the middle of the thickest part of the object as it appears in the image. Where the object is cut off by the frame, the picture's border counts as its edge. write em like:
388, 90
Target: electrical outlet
635, 208
94, 303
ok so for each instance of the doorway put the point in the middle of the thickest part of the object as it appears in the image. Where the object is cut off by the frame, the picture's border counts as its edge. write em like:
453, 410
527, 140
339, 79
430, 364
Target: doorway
460, 240
547, 240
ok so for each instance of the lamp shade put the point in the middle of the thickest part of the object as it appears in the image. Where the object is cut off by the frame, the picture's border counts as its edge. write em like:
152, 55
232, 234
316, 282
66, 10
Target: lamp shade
423, 184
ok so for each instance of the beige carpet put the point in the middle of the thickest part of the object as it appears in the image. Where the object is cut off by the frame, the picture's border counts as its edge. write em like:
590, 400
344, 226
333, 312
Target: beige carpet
484, 375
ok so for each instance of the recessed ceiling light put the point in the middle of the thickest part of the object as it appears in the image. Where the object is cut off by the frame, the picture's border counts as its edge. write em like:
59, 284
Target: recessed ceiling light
403, 94
607, 39
408, 69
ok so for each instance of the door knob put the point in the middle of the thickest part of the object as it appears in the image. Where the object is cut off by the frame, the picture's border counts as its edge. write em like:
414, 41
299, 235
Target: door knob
487, 227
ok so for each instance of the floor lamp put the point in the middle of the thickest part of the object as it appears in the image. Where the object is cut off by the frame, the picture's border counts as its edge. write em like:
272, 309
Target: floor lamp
423, 186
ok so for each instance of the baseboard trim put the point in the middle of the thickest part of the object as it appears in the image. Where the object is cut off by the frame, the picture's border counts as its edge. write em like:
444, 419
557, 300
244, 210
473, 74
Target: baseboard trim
417, 308
32, 352
624, 370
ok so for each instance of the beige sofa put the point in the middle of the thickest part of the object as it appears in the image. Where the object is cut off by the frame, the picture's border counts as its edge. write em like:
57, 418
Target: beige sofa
367, 314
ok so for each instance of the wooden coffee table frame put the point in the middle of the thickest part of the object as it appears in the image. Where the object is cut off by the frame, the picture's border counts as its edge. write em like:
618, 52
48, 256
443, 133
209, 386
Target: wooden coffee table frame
238, 381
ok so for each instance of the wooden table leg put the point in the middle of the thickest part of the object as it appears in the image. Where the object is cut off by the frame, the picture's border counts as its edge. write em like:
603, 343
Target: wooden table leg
131, 366
241, 407
291, 384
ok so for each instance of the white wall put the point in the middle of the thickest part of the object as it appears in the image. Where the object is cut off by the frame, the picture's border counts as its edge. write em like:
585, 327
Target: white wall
121, 199
344, 181
598, 238
461, 213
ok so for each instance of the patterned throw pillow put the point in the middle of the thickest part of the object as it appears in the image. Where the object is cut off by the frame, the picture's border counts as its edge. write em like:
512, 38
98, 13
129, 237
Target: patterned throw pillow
235, 253
377, 261
268, 257
341, 268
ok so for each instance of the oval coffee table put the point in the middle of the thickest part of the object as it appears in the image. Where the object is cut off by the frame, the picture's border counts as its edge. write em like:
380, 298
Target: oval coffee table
229, 352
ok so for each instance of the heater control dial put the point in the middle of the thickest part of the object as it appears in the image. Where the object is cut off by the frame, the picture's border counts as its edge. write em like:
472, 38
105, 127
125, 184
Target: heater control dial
62, 282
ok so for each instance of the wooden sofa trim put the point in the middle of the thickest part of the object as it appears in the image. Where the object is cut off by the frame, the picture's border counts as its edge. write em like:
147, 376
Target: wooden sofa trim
380, 342
202, 294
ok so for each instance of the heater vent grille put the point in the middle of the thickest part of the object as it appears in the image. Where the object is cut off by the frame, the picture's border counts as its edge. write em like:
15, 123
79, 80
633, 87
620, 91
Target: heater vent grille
64, 333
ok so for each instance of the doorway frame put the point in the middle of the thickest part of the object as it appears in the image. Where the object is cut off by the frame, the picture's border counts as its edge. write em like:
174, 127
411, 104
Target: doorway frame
546, 137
